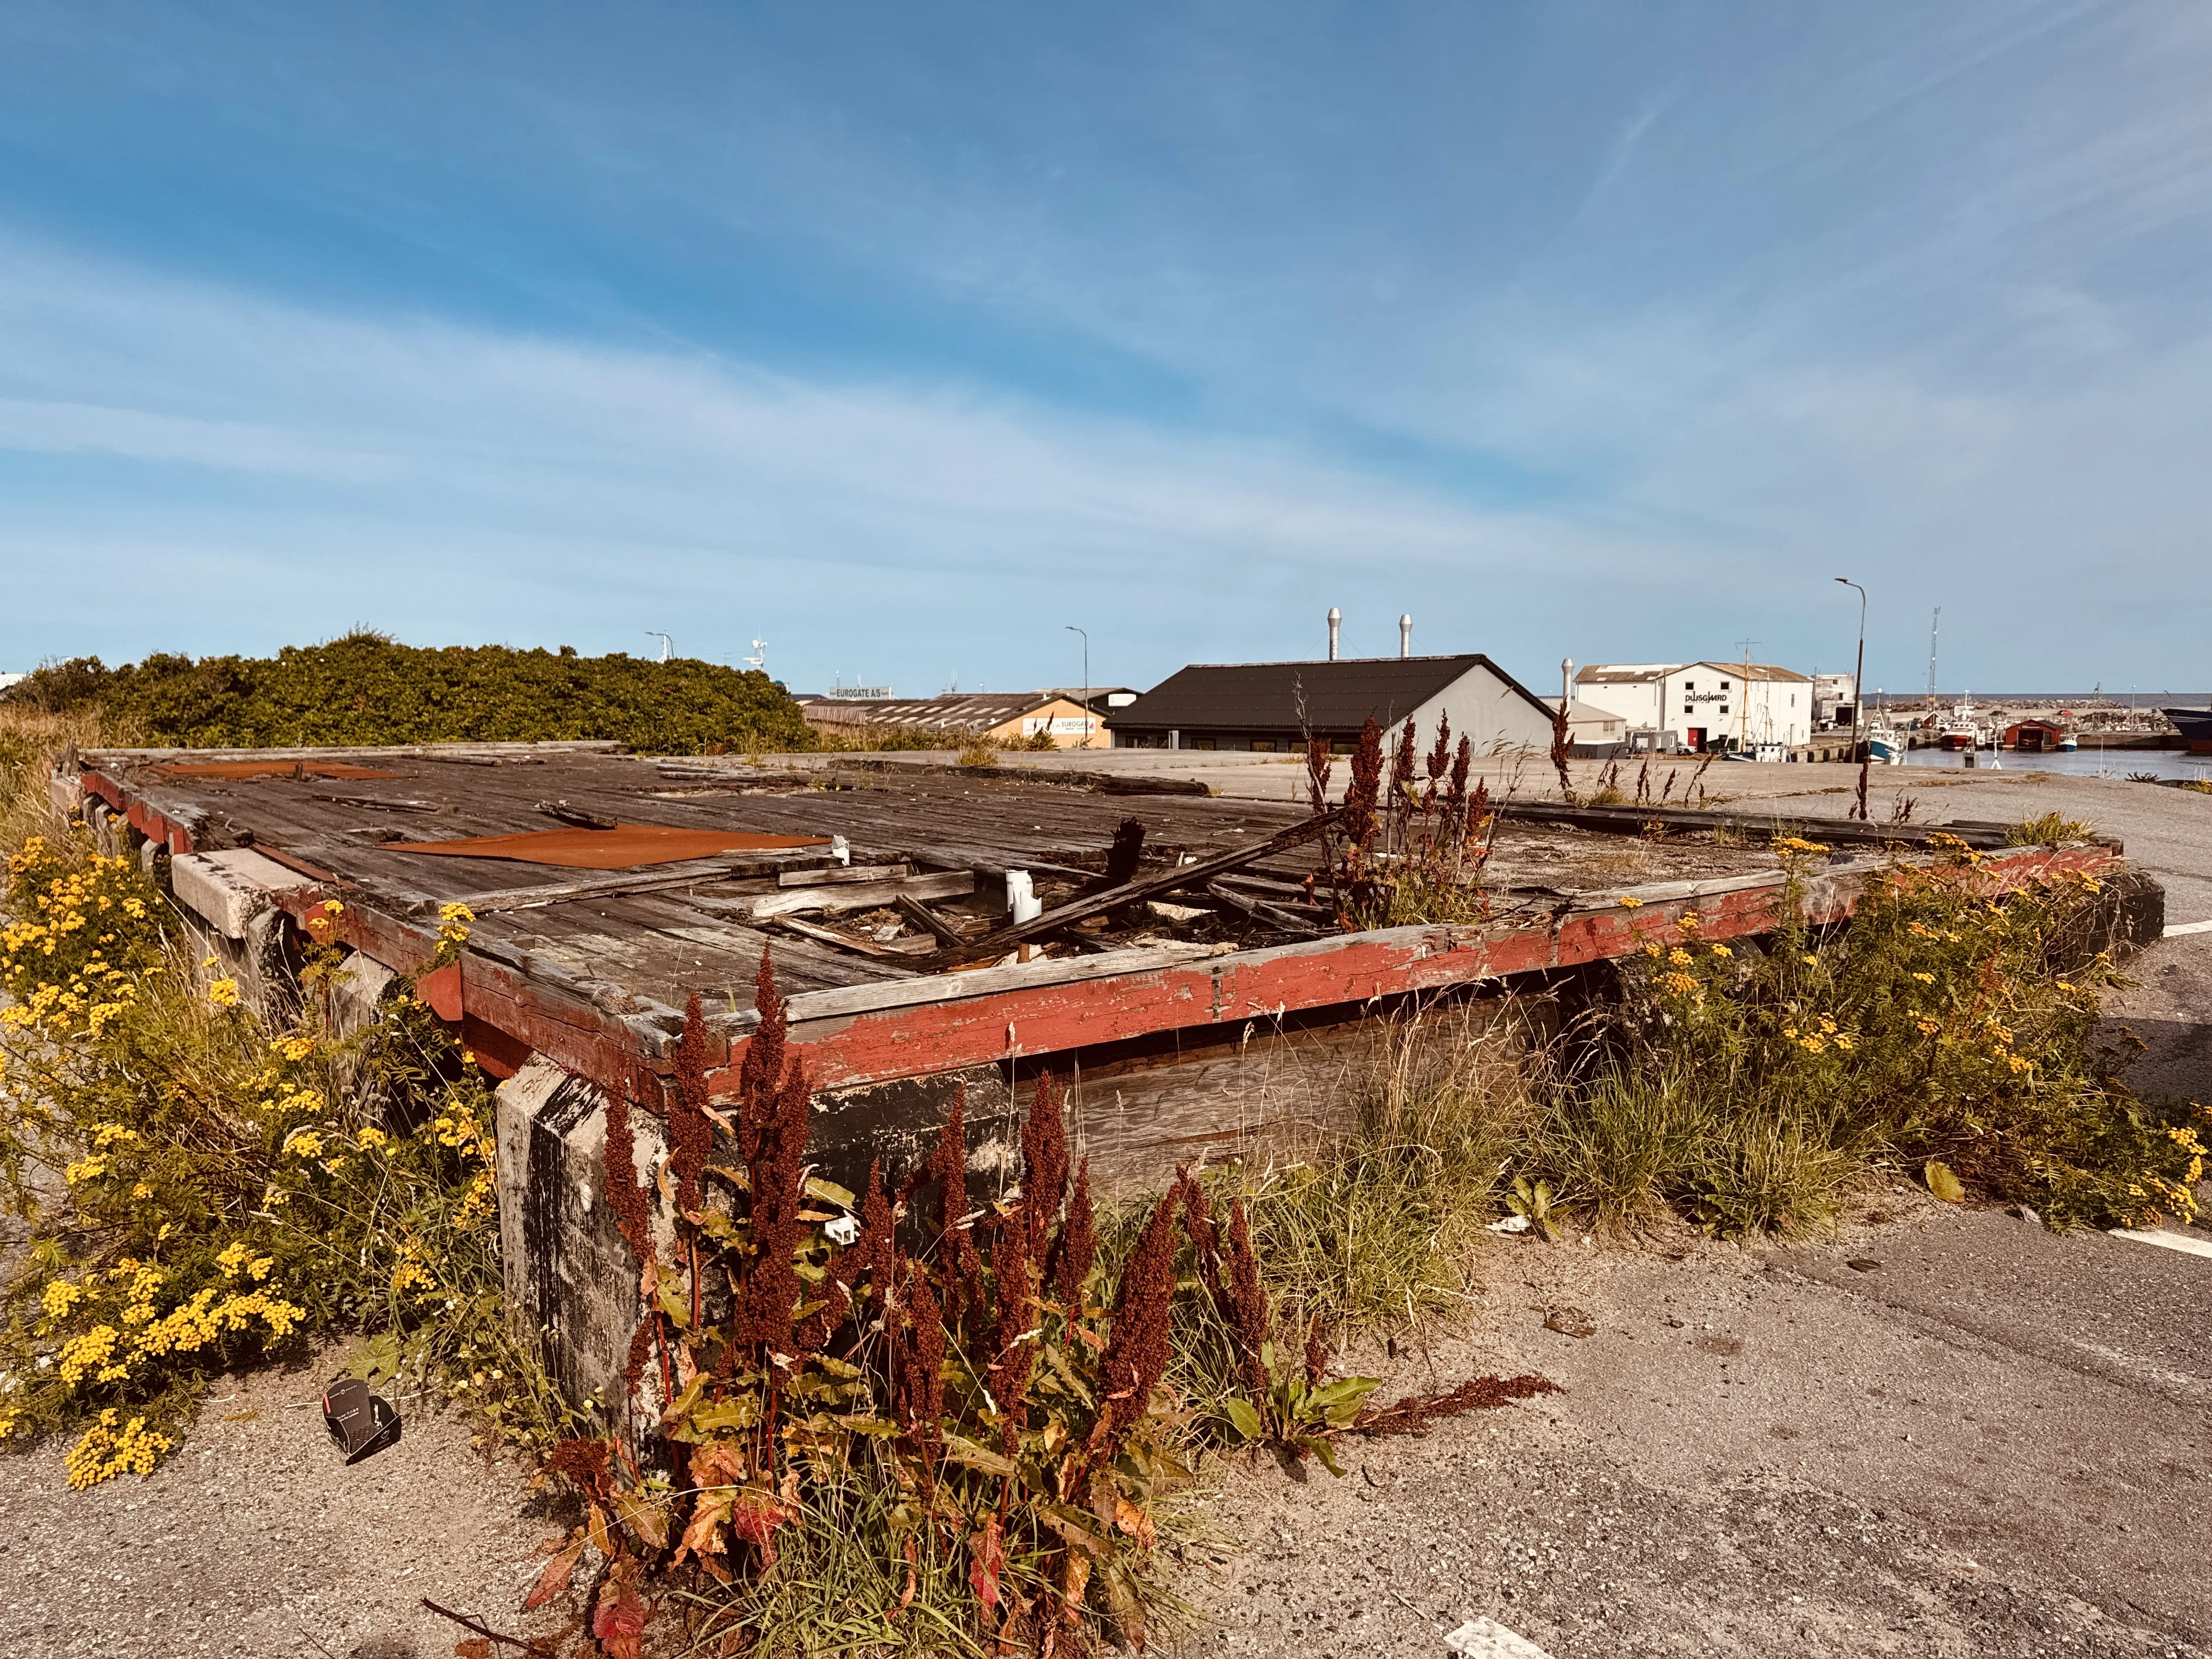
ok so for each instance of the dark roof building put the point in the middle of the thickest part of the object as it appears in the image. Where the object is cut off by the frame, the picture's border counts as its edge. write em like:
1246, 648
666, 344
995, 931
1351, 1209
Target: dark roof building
1274, 706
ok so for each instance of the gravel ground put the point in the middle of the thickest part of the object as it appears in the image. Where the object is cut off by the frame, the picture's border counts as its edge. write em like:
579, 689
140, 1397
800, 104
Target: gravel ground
258, 1541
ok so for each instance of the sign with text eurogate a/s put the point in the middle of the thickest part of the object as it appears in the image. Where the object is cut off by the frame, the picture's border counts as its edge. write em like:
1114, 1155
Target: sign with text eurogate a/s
1060, 726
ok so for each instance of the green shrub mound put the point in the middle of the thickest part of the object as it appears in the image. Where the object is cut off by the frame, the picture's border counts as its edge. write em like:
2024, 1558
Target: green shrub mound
366, 689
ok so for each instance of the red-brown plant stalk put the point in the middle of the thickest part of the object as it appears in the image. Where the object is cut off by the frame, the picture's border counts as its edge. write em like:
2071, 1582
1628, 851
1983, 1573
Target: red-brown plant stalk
690, 1131
1137, 1346
1075, 1246
1044, 1163
959, 1263
1014, 1334
918, 1373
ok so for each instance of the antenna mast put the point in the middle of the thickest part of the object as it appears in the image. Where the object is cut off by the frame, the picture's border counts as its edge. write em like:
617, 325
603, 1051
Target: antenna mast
1743, 696
1932, 622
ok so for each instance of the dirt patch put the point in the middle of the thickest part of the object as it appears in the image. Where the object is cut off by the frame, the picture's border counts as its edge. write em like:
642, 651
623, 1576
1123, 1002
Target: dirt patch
256, 1540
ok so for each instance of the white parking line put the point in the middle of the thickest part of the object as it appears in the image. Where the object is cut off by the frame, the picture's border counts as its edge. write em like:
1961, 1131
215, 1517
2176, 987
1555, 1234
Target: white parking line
2165, 1240
2179, 928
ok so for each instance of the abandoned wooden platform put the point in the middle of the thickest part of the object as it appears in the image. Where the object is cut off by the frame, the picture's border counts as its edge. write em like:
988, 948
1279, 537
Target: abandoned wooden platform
590, 969
1185, 985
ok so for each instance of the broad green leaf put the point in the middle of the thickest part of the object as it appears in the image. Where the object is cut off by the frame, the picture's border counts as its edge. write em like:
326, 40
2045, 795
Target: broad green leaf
739, 1411
675, 1301
829, 1191
377, 1360
1322, 1449
1243, 1417
1341, 1401
1065, 1374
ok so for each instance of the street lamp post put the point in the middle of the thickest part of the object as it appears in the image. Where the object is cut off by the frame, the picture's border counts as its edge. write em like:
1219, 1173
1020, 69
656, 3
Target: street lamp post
1072, 628
1858, 699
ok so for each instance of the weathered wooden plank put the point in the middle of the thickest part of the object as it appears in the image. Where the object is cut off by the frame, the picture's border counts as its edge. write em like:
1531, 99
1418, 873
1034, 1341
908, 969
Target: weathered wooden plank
858, 895
1261, 911
834, 875
658, 880
915, 912
830, 936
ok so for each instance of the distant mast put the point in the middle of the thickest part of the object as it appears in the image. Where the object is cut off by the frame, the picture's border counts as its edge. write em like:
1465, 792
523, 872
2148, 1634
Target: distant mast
1932, 623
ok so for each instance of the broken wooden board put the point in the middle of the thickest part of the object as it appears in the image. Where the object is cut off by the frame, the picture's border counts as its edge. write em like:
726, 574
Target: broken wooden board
851, 896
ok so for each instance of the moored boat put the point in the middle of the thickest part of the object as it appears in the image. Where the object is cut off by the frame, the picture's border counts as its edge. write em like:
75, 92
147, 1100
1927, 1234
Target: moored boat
1887, 747
1963, 730
2195, 726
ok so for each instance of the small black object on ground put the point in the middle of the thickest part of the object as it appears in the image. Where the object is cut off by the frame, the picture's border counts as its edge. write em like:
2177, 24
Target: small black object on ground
362, 1423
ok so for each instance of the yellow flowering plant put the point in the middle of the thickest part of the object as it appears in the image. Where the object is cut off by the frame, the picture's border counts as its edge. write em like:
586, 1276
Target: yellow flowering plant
1941, 1022
225, 1190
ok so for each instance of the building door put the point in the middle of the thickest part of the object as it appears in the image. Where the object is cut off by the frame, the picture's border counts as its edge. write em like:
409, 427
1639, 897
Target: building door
1696, 735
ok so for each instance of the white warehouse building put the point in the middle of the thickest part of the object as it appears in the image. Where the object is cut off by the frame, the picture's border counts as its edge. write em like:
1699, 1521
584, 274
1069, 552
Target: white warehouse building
1701, 705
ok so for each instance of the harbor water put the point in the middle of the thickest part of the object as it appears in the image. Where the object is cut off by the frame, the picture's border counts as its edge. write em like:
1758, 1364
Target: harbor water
2085, 761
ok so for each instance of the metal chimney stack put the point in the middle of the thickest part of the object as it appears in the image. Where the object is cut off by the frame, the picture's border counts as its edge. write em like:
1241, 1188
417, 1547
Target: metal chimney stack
1335, 623
1405, 636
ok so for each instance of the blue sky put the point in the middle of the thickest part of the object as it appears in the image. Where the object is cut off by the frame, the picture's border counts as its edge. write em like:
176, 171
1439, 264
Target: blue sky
903, 336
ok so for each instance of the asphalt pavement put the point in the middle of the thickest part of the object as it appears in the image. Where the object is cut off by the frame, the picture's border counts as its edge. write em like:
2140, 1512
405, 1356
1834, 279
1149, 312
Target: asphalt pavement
1983, 1439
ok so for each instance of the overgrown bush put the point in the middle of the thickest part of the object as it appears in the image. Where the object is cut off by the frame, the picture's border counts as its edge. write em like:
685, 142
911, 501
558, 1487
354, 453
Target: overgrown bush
367, 688
200, 1192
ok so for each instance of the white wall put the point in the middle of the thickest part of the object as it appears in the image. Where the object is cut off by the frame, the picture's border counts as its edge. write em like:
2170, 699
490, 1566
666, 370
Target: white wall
1486, 710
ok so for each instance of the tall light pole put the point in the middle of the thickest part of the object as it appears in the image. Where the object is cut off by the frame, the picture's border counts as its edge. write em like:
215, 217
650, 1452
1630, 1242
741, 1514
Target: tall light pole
667, 645
1072, 628
1858, 701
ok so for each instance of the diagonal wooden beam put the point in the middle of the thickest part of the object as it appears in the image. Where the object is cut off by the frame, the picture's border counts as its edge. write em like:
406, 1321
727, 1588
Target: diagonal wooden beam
1135, 892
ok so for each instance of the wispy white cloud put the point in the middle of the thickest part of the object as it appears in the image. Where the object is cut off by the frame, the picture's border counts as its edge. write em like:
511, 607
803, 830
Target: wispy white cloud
320, 469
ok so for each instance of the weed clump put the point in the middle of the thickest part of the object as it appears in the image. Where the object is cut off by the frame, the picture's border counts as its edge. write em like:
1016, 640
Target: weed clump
1410, 849
2052, 829
1750, 1084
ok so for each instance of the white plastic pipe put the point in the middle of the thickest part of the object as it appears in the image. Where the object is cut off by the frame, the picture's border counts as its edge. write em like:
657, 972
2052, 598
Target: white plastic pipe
1022, 902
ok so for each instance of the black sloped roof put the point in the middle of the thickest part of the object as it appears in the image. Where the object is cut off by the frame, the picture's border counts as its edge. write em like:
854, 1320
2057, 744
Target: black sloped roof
1338, 696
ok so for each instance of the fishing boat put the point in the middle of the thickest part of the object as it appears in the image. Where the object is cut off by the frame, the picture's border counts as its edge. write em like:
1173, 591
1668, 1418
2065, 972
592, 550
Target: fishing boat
1886, 747
1963, 730
2195, 726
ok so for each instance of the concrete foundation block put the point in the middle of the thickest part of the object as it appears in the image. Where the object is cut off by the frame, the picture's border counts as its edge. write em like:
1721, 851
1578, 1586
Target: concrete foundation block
572, 1283
227, 890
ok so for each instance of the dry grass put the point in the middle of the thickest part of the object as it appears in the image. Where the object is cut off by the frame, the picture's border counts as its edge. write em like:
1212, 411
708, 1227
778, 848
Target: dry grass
30, 739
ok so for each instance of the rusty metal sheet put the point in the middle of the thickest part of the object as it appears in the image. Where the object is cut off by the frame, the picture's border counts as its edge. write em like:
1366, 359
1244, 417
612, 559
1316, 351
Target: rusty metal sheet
625, 846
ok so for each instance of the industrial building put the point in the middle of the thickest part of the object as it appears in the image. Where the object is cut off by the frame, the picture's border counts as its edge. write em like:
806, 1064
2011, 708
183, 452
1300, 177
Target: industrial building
1702, 705
1276, 708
